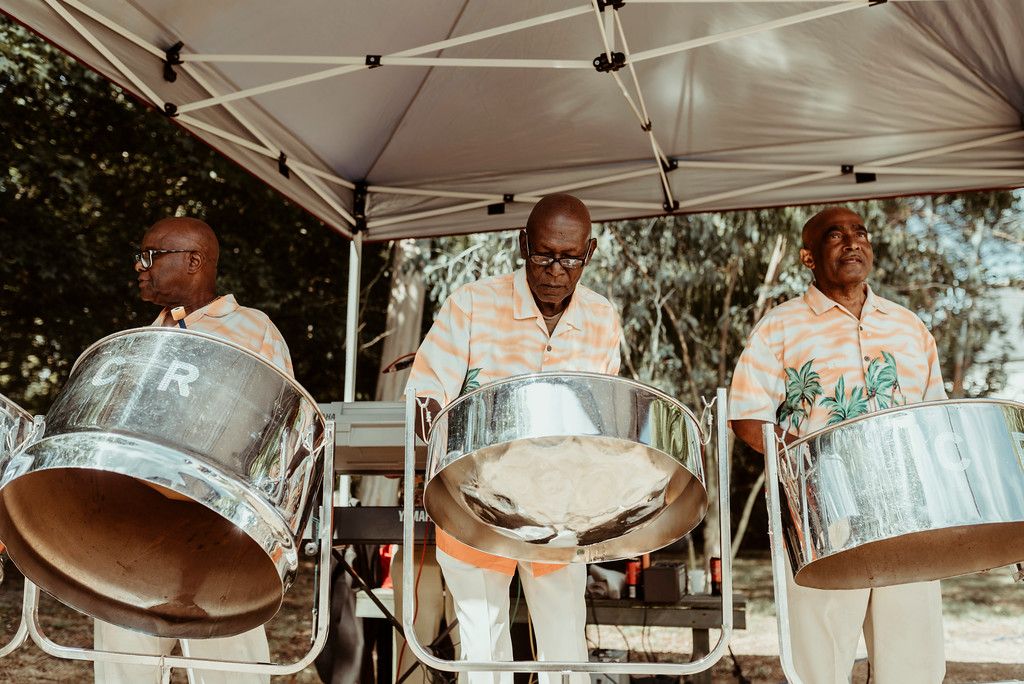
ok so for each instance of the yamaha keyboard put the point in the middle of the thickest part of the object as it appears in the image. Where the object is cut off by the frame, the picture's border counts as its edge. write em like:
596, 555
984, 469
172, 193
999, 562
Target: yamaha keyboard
369, 438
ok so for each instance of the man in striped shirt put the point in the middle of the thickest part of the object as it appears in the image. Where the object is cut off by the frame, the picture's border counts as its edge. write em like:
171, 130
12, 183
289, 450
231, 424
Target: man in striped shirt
837, 352
177, 267
536, 319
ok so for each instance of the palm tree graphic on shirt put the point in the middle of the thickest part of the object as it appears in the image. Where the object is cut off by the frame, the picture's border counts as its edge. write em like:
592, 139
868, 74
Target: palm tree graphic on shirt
803, 388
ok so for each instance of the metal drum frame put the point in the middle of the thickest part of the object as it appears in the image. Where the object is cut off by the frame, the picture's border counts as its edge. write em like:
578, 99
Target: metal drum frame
320, 546
566, 668
11, 442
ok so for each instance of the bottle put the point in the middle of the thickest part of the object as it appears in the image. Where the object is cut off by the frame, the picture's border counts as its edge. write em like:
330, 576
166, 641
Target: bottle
632, 578
716, 576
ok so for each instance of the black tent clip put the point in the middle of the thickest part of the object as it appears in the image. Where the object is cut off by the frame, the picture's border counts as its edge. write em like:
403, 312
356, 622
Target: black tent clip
282, 165
172, 58
602, 64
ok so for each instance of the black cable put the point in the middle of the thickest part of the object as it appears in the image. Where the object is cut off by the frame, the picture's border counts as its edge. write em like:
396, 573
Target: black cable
736, 669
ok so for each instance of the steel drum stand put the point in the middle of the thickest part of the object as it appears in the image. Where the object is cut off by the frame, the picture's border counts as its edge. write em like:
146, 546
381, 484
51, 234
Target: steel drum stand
320, 614
19, 638
771, 464
565, 668
21, 634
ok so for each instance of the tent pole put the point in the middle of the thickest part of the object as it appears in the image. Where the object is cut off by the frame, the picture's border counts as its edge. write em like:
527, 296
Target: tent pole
355, 258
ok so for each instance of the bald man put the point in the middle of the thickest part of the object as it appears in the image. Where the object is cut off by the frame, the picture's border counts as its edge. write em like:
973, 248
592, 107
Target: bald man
835, 353
177, 267
538, 318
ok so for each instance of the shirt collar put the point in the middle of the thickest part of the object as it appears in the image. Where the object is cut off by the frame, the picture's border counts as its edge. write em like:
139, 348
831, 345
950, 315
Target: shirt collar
820, 303
218, 308
524, 305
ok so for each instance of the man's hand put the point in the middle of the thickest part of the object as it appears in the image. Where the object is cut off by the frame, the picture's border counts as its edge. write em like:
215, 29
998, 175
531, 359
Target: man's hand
750, 432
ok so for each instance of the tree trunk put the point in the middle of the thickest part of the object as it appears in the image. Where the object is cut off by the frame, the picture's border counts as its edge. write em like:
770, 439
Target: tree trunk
402, 335
770, 275
748, 508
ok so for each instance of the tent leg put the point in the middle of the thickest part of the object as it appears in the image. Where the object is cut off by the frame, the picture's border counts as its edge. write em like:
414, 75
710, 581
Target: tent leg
355, 259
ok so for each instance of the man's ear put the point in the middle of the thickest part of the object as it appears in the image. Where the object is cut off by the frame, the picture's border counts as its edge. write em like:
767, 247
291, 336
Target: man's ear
591, 248
522, 244
806, 258
196, 260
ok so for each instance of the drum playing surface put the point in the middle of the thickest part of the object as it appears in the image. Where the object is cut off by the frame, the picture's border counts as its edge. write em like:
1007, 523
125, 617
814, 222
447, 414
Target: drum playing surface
566, 467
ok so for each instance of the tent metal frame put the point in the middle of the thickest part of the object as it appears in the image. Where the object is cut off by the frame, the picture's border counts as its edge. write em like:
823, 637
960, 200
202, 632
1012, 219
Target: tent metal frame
613, 39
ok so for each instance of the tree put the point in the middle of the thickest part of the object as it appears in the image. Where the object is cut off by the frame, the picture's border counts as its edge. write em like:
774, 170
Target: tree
89, 170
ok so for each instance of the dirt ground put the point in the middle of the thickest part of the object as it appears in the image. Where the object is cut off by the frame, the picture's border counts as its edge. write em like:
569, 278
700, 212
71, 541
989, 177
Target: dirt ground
984, 626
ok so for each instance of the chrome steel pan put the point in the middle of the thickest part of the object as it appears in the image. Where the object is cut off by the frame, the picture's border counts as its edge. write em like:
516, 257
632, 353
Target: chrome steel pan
565, 467
907, 494
15, 427
170, 487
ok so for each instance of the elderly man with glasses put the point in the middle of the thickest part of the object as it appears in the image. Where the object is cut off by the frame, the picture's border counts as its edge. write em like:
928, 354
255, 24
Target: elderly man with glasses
177, 270
536, 319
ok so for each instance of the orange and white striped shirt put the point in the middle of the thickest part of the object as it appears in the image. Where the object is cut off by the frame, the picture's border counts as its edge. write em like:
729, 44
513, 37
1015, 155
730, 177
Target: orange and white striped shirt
810, 363
491, 330
249, 328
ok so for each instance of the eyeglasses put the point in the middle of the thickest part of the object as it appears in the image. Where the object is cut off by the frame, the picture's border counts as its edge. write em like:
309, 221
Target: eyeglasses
145, 257
569, 263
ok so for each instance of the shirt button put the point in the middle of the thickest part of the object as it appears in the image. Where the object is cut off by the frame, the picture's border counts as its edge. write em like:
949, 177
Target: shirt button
549, 347
860, 327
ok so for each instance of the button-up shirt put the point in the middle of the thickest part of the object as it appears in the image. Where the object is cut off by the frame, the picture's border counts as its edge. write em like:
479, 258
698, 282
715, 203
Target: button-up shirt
810, 363
249, 328
491, 330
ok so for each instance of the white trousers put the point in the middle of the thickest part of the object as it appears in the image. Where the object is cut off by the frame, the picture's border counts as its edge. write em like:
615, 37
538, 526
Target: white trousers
902, 628
431, 605
557, 609
249, 646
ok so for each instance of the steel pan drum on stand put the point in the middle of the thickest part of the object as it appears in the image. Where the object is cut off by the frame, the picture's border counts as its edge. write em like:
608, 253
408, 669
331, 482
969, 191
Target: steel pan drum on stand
16, 428
170, 488
566, 467
908, 494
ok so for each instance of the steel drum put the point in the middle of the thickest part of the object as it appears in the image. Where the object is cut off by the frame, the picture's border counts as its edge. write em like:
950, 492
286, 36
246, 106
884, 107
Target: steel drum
907, 494
170, 488
16, 427
565, 467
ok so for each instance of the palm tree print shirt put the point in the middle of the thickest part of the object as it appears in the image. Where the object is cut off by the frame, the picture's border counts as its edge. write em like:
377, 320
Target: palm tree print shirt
491, 330
810, 363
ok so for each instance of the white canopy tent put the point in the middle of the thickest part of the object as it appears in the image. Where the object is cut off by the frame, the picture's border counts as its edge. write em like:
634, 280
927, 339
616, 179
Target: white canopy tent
478, 108
393, 119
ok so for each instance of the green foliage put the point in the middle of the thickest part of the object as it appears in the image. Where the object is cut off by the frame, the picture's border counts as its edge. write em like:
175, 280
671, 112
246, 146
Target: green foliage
88, 169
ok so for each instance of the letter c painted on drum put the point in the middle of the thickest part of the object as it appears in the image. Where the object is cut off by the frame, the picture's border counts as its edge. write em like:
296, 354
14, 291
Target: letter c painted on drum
101, 378
947, 448
184, 374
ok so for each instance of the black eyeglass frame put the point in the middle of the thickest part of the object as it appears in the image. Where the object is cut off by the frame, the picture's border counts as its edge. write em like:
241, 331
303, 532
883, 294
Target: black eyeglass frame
145, 257
574, 262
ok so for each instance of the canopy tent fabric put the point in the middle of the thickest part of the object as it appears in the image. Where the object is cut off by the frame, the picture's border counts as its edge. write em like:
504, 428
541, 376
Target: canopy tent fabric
410, 119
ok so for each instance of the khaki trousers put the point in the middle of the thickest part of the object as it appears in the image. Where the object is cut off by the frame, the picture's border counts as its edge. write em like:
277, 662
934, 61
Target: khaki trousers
249, 646
557, 610
902, 627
